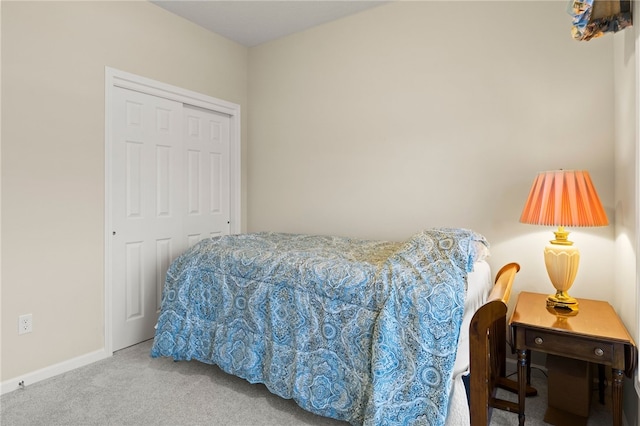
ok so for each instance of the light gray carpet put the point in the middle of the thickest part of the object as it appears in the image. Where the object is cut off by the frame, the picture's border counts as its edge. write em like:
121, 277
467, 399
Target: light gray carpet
536, 406
131, 388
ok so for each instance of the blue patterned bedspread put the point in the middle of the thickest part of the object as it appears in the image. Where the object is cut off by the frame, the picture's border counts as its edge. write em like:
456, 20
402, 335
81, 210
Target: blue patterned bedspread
362, 331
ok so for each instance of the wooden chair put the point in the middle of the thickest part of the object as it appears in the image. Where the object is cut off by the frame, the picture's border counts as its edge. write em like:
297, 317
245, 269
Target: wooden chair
487, 339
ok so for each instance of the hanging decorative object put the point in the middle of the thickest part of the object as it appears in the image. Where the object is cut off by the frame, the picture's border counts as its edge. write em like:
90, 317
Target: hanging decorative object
593, 18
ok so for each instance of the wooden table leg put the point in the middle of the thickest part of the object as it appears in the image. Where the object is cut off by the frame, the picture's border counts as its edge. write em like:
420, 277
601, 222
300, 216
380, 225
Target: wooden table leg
522, 383
616, 395
601, 379
528, 366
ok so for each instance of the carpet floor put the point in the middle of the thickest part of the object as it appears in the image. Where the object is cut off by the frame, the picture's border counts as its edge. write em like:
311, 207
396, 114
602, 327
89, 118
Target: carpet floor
131, 388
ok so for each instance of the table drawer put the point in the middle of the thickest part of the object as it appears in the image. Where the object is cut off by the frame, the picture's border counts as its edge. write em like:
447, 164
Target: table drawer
571, 346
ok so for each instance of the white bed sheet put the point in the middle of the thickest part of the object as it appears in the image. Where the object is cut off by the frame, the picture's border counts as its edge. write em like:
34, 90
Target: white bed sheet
479, 284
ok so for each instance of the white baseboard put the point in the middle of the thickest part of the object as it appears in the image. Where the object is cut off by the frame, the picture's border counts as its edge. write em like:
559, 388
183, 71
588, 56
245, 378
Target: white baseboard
54, 370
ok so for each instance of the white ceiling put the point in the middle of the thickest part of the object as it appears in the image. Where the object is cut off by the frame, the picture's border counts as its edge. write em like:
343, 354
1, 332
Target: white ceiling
251, 23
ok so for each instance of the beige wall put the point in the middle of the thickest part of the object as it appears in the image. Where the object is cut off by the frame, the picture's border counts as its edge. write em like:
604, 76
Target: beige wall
420, 114
625, 283
53, 60
626, 187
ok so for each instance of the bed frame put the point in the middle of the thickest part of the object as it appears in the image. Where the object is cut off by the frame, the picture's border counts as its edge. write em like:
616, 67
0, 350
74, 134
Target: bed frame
487, 340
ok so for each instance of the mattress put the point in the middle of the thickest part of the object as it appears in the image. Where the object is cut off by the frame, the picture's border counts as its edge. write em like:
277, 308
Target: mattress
479, 284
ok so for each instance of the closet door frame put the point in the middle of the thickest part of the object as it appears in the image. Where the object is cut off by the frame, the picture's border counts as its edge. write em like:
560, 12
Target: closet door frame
116, 78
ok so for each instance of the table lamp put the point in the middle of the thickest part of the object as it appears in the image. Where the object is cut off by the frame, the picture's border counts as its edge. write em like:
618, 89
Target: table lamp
563, 198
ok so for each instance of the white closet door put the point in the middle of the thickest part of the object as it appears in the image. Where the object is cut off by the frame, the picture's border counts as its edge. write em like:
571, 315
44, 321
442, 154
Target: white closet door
147, 214
206, 136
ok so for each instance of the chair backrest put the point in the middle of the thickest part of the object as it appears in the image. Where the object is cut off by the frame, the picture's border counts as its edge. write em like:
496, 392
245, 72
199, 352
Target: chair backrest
503, 283
487, 342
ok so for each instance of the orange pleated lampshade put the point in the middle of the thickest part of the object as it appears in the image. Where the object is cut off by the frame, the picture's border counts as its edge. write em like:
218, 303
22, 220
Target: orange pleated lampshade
564, 198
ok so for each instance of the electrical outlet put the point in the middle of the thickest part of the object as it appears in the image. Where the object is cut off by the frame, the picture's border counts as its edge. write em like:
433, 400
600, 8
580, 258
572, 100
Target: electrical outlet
25, 324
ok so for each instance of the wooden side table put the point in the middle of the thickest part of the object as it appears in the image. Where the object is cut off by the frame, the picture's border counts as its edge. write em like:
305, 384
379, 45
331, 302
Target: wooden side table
595, 334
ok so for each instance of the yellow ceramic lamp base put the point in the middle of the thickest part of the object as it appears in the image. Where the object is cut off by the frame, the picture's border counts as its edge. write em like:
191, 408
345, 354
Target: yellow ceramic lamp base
562, 261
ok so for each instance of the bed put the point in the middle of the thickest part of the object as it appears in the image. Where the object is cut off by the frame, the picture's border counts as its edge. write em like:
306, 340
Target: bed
369, 332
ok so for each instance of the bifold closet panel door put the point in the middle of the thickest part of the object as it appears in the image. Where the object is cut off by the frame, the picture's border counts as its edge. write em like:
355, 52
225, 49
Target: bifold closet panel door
148, 161
207, 183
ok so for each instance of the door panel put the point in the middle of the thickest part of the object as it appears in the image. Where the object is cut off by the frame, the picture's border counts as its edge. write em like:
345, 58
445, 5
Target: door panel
147, 168
206, 136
